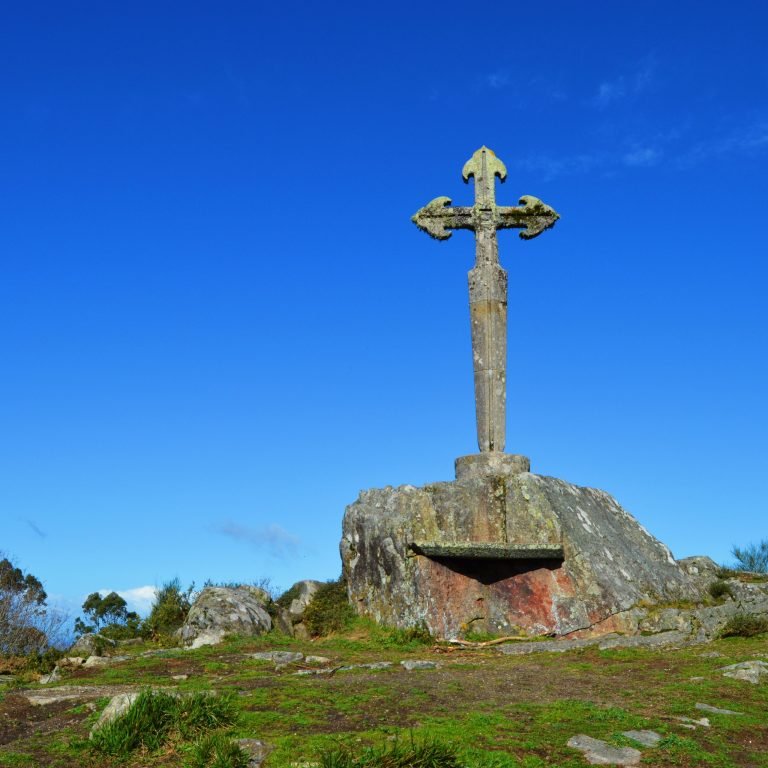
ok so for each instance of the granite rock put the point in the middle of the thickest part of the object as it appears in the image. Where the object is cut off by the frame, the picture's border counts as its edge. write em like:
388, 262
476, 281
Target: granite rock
506, 553
219, 611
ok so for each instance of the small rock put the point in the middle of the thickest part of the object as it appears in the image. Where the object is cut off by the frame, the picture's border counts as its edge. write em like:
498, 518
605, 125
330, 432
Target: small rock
690, 723
716, 710
280, 657
208, 637
411, 664
599, 752
52, 677
116, 707
317, 660
696, 678
179, 677
256, 750
314, 672
749, 671
372, 665
646, 738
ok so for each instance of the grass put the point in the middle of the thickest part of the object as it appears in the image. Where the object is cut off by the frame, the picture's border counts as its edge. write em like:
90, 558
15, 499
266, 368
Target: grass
156, 717
489, 710
430, 754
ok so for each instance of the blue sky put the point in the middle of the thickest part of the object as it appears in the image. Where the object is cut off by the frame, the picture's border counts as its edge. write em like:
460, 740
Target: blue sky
218, 323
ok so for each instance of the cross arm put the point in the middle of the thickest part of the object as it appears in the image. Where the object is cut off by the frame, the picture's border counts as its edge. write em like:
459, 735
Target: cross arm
438, 217
532, 216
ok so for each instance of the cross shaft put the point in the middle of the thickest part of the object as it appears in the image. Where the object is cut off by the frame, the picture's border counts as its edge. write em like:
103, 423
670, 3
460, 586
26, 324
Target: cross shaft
487, 280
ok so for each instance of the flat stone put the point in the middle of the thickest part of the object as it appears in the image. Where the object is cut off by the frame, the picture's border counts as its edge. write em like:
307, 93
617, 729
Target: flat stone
411, 664
646, 738
179, 677
102, 661
548, 646
689, 722
749, 671
716, 710
45, 696
645, 641
317, 660
374, 665
598, 752
256, 750
279, 657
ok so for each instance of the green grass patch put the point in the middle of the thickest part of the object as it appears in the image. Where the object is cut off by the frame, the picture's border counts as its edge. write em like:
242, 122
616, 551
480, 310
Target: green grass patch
156, 717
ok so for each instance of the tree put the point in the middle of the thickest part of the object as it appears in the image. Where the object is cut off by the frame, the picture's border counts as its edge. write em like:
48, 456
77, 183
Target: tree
27, 625
108, 614
753, 557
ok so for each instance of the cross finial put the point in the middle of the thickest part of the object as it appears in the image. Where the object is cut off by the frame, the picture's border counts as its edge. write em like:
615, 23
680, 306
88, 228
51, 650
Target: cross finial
487, 280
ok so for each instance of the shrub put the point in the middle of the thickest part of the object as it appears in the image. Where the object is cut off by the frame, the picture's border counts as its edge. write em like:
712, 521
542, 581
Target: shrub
217, 751
745, 625
753, 557
329, 610
169, 609
430, 754
720, 588
155, 716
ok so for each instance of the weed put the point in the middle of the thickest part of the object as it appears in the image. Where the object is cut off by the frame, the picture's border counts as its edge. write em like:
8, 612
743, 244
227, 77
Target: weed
745, 625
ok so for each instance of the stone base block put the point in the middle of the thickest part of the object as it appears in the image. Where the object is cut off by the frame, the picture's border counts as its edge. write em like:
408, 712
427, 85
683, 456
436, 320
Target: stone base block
480, 465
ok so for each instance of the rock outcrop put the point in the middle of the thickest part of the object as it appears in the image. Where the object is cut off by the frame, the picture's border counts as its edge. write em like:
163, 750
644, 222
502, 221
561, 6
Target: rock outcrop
504, 552
220, 611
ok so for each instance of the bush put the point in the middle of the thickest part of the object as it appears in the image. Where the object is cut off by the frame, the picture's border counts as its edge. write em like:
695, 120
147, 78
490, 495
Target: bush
156, 716
217, 751
745, 625
427, 755
329, 610
753, 557
169, 609
720, 588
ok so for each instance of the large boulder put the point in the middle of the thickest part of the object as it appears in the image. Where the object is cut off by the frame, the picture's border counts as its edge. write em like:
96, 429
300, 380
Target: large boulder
504, 551
221, 611
91, 644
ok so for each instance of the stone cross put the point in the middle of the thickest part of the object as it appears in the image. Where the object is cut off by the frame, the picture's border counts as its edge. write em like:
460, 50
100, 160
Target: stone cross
487, 280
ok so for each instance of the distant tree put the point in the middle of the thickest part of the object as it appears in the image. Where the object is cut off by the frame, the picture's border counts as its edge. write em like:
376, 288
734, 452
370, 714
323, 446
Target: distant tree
753, 557
27, 625
108, 615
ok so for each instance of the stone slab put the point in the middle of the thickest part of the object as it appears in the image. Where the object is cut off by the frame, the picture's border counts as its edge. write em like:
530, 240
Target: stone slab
598, 752
485, 551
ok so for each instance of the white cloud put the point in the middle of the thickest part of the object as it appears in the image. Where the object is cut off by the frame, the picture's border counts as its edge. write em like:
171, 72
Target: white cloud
139, 599
273, 537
